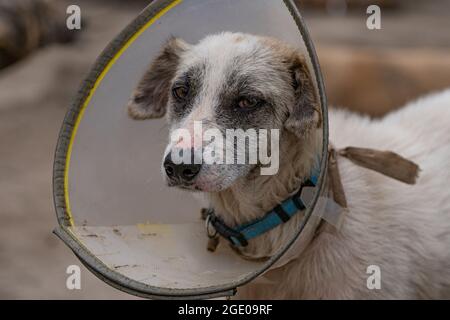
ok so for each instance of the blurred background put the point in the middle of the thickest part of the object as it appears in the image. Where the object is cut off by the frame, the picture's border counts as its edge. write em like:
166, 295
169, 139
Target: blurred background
42, 64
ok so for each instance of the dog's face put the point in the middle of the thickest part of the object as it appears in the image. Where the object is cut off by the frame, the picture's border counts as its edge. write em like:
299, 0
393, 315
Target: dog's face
226, 81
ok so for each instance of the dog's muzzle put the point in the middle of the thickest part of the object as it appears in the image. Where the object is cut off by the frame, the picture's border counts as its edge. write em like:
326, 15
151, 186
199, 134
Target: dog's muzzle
180, 173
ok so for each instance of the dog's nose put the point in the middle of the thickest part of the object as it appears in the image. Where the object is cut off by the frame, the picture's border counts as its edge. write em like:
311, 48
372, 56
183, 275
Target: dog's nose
182, 171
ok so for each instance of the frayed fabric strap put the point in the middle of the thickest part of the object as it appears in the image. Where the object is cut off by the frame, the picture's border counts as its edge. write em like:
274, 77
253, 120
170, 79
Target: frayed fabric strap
387, 163
334, 179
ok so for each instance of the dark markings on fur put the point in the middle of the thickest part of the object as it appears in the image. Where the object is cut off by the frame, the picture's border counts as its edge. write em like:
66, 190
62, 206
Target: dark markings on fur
301, 120
151, 95
193, 80
240, 85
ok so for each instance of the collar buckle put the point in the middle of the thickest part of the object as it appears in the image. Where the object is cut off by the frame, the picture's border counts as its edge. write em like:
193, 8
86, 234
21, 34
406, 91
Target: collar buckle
233, 236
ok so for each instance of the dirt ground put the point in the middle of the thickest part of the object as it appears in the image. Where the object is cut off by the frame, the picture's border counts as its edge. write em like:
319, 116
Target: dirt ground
34, 96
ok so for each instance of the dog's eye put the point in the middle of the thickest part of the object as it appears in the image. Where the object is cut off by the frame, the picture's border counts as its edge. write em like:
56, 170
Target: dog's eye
246, 103
180, 92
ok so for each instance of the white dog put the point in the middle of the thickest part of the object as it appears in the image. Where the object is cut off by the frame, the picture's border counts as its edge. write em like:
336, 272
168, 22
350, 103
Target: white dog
234, 80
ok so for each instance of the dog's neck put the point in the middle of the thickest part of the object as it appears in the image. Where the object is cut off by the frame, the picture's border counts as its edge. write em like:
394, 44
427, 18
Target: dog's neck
252, 197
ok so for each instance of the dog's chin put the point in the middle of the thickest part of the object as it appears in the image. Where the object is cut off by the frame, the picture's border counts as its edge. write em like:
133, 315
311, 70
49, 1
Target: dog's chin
204, 184
211, 186
216, 183
213, 181
199, 187
183, 186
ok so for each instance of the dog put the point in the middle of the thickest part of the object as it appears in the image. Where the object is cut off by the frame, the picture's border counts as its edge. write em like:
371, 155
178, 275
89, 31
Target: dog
236, 80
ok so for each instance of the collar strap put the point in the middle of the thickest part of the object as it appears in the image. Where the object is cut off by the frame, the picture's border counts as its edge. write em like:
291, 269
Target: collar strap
240, 235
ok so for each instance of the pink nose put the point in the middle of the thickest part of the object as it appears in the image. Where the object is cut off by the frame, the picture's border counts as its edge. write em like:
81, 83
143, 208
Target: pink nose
194, 141
184, 143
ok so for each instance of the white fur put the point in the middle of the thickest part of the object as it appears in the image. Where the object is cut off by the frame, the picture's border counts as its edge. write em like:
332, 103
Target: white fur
405, 230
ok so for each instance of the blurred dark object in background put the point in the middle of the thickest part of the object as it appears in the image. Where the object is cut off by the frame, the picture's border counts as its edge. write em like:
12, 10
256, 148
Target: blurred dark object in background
26, 25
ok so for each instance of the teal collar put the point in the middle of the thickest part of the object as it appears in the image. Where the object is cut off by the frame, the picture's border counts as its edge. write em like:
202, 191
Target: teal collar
240, 235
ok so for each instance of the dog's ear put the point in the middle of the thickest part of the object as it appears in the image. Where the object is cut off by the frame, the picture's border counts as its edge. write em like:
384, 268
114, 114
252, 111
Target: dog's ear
149, 99
305, 114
